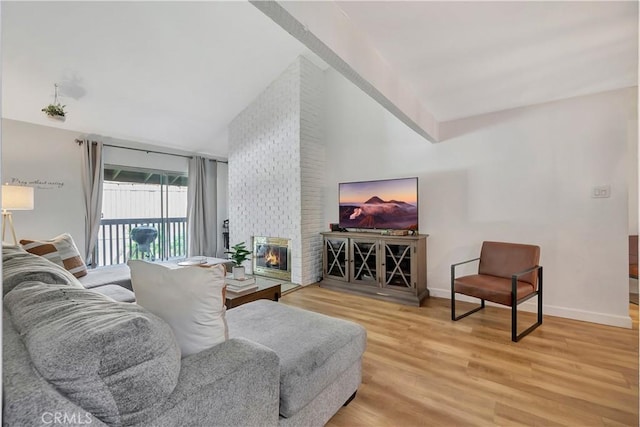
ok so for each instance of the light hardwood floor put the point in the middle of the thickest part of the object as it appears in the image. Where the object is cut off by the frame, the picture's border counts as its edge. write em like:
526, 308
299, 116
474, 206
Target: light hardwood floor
422, 369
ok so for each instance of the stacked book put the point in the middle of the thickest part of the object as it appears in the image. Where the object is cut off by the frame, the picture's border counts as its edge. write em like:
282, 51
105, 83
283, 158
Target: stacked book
238, 287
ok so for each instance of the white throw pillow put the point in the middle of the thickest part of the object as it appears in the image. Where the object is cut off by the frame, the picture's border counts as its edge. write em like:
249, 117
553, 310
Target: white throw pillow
189, 299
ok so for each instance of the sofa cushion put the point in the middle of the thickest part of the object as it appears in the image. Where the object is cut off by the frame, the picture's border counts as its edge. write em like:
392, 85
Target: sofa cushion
314, 350
60, 250
189, 299
20, 266
492, 288
115, 360
502, 259
117, 274
115, 292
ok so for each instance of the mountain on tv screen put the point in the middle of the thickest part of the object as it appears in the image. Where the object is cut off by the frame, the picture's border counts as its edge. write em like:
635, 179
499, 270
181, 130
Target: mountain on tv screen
390, 204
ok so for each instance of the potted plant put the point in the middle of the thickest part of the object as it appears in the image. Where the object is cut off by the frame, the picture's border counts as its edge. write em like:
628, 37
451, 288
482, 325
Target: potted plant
238, 254
55, 111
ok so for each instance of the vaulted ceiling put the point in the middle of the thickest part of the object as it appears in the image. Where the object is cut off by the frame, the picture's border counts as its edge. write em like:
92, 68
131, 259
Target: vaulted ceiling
176, 73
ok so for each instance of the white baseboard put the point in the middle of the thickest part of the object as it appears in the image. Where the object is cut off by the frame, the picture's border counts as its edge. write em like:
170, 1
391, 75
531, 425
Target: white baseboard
550, 310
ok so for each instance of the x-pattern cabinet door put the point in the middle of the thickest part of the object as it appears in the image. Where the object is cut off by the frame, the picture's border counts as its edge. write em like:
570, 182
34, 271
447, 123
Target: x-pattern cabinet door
364, 262
398, 265
336, 259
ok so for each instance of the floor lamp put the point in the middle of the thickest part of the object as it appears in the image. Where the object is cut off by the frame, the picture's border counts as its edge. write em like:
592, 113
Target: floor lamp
14, 198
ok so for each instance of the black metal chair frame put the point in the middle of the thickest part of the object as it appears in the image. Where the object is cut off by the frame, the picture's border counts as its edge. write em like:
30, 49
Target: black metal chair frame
515, 337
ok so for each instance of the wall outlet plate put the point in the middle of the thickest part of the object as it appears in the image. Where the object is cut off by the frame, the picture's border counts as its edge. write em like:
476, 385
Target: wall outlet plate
601, 192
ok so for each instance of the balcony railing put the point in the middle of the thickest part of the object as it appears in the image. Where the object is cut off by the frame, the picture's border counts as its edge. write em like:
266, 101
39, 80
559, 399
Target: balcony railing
115, 245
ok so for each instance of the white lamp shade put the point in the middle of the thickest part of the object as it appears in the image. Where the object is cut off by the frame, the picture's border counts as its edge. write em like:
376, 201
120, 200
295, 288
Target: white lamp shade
17, 198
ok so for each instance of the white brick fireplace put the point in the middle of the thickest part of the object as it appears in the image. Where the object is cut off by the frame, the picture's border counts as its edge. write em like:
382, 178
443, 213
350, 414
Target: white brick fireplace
276, 161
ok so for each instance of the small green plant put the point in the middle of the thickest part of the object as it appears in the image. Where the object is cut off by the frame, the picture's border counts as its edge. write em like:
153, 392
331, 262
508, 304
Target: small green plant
239, 254
53, 110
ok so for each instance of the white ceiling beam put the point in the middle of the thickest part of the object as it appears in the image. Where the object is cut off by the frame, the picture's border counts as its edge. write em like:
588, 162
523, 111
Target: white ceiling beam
328, 32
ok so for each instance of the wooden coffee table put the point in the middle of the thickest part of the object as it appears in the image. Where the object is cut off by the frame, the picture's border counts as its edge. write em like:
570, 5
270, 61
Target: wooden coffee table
267, 289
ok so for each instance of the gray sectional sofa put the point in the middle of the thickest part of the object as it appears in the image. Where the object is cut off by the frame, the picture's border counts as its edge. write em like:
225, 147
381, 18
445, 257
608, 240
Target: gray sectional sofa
77, 357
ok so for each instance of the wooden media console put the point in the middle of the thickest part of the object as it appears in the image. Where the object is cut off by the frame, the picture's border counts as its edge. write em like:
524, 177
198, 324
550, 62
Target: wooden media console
392, 268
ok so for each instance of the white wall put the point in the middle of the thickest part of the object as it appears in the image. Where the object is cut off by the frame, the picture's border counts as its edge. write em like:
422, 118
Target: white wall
264, 167
140, 159
523, 175
47, 159
312, 170
270, 143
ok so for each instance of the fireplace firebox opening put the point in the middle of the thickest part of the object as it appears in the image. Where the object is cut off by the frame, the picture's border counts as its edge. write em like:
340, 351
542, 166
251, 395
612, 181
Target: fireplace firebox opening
272, 257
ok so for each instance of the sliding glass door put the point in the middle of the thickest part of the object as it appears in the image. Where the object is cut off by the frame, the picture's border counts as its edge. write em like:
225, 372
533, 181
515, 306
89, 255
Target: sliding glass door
144, 215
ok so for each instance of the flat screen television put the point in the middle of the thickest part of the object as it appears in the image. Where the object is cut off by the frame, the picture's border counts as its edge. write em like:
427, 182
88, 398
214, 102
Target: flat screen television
390, 204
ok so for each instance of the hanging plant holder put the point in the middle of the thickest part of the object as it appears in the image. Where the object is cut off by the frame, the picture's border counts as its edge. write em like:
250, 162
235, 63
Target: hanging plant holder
55, 110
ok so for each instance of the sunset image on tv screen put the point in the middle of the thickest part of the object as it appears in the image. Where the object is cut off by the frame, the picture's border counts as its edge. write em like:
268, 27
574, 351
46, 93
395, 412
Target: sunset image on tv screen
387, 204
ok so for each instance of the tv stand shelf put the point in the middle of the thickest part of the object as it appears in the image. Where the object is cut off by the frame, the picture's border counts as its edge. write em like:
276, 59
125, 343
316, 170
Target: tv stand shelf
392, 268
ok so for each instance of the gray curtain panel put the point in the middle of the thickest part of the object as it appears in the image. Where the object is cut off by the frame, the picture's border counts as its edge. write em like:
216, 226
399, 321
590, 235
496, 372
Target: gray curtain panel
202, 207
92, 178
